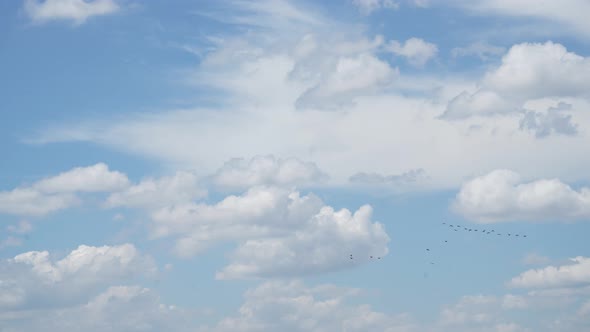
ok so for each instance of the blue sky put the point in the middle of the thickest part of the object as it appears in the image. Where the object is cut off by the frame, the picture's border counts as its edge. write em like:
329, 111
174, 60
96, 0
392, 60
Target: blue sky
212, 165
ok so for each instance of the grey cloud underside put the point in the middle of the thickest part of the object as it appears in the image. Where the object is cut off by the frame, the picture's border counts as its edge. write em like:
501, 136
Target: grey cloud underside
551, 122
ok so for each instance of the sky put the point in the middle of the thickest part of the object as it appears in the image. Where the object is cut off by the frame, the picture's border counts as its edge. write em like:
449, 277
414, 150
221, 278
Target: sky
275, 165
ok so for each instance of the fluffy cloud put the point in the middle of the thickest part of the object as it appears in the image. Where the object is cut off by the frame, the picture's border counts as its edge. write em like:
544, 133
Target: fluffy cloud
322, 244
95, 178
30, 202
565, 275
416, 50
58, 192
528, 71
501, 195
535, 70
291, 306
76, 10
407, 178
182, 187
277, 230
118, 308
266, 170
35, 280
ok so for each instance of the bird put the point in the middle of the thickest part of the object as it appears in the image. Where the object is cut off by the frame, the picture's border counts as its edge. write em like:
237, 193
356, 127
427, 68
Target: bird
524, 235
446, 241
427, 249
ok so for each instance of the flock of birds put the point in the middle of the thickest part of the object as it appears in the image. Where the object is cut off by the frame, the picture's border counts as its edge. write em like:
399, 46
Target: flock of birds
458, 228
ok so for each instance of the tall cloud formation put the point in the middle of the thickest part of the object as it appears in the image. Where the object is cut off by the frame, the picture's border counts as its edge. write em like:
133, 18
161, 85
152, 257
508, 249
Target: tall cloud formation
239, 173
274, 225
59, 192
78, 11
502, 196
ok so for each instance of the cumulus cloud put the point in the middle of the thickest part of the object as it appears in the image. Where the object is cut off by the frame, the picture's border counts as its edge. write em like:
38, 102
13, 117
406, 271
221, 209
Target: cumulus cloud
501, 195
407, 178
117, 309
239, 173
366, 7
76, 10
528, 71
95, 178
182, 187
416, 50
320, 245
291, 306
59, 192
576, 273
275, 229
35, 280
536, 70
30, 202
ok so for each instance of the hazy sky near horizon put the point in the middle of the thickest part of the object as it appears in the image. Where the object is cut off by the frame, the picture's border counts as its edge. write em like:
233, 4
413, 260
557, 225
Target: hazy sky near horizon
281, 165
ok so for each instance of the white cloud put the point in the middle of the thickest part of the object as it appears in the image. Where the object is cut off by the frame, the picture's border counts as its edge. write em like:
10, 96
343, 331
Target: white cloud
59, 192
536, 70
33, 279
76, 10
95, 178
416, 50
576, 273
290, 306
528, 71
324, 243
117, 309
258, 77
276, 230
481, 49
30, 202
182, 187
501, 195
239, 173
366, 7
